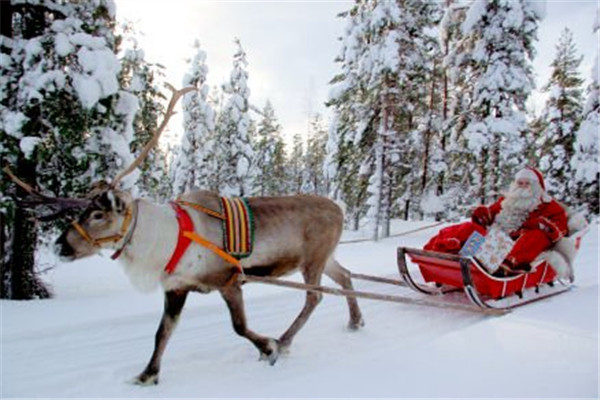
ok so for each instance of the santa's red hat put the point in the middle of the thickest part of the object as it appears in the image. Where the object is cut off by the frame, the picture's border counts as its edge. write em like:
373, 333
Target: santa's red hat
532, 174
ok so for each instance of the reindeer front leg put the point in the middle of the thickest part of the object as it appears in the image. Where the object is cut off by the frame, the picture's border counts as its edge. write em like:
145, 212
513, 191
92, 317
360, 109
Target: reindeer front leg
174, 301
268, 347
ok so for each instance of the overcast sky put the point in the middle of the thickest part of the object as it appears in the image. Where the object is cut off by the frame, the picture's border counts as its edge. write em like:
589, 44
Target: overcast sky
291, 45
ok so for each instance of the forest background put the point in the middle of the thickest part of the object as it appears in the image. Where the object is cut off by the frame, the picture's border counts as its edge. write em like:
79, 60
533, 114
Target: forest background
427, 116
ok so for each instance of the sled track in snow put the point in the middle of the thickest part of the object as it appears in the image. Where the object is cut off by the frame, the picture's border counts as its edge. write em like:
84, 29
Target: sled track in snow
113, 350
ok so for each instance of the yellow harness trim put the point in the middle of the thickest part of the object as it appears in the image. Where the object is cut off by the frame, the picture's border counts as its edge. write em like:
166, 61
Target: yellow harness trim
214, 248
112, 238
203, 209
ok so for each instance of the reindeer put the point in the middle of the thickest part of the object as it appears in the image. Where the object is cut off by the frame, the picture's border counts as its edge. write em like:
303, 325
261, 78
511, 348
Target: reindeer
293, 233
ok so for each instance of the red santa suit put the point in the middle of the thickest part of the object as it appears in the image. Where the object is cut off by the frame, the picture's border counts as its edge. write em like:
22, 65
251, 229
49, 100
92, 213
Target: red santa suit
541, 228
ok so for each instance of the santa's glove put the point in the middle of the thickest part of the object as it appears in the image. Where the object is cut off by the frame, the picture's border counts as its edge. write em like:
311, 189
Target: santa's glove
482, 216
545, 225
550, 229
533, 223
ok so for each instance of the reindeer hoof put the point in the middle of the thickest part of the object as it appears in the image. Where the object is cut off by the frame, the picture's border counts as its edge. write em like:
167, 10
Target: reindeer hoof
270, 352
144, 379
356, 325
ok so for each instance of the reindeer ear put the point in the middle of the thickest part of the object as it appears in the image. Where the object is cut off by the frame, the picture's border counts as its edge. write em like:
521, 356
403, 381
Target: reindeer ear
104, 201
119, 204
98, 189
116, 203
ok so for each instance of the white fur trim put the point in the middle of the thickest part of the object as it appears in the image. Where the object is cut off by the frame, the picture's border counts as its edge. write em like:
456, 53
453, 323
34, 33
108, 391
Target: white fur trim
546, 198
561, 266
528, 174
562, 255
577, 222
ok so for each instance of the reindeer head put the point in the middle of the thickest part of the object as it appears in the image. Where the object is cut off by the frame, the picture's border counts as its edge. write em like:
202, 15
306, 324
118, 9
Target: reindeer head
106, 222
109, 213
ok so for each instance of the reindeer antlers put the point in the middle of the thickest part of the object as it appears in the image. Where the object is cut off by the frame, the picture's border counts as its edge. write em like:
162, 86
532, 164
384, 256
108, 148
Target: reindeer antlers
19, 182
59, 205
168, 114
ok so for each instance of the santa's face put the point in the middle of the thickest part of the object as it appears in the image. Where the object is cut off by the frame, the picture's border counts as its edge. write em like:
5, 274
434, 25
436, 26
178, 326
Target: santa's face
523, 195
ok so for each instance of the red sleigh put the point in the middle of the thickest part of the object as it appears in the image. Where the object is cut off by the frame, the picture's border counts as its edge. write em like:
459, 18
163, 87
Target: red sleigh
442, 273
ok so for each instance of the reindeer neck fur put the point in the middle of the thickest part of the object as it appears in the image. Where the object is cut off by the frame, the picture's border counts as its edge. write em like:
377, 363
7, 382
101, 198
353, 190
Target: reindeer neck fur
151, 244
151, 247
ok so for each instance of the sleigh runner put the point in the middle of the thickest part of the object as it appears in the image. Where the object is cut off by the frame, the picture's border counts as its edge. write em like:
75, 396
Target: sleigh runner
442, 273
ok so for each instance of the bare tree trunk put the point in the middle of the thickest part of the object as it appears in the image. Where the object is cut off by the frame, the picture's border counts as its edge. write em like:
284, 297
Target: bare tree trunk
5, 31
25, 283
387, 214
428, 133
19, 266
3, 259
379, 176
483, 175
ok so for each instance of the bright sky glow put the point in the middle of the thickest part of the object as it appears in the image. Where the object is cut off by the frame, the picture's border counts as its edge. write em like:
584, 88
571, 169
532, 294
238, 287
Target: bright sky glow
291, 46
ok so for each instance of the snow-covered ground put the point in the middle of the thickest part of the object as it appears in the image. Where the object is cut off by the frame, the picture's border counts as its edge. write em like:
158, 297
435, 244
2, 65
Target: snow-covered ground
97, 333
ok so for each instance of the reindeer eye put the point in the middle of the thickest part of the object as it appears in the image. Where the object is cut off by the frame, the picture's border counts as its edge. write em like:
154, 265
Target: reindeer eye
97, 215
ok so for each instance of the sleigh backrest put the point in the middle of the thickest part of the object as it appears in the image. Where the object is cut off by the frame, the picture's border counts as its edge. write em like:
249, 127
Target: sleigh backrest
562, 255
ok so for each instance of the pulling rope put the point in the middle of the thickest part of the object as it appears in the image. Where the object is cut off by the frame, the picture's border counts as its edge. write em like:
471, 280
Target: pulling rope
368, 295
396, 234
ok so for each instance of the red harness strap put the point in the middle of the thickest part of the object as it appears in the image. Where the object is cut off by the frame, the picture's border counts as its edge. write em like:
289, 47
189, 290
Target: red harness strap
186, 235
183, 242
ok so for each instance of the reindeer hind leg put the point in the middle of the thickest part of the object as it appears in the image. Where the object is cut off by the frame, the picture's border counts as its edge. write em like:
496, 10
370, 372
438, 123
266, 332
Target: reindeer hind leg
312, 276
342, 277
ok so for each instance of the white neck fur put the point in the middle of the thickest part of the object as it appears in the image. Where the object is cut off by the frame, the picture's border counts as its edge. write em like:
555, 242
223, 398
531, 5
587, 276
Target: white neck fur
151, 245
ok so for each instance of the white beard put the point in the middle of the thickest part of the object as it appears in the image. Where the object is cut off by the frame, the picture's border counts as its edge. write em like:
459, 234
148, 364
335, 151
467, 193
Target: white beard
516, 207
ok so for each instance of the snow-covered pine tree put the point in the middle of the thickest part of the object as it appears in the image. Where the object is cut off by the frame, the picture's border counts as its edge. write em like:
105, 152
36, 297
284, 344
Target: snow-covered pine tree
377, 69
233, 144
143, 79
585, 163
491, 63
295, 166
379, 98
195, 164
279, 174
65, 121
315, 158
350, 136
561, 119
270, 171
417, 143
451, 158
434, 166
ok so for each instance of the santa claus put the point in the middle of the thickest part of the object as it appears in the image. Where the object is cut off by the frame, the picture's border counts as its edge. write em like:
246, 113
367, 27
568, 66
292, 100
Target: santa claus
527, 213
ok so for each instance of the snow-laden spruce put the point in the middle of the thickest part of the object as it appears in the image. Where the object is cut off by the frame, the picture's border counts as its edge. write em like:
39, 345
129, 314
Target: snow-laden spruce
560, 118
380, 102
269, 172
490, 64
233, 145
66, 114
144, 81
195, 165
585, 162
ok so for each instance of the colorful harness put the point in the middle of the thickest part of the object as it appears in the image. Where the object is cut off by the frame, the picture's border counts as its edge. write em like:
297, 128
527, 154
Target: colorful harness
238, 231
238, 227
